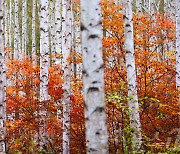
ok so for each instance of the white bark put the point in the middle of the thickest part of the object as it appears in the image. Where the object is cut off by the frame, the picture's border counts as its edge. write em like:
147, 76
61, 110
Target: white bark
93, 78
131, 75
44, 64
2, 86
139, 7
77, 39
16, 30
152, 8
58, 27
34, 32
177, 43
5, 21
10, 24
117, 2
148, 6
66, 47
52, 30
170, 7
177, 2
24, 26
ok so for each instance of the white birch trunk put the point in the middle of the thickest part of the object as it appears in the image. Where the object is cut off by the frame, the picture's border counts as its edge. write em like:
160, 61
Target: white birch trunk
131, 75
66, 47
58, 30
77, 38
10, 24
178, 48
52, 30
58, 26
24, 26
93, 78
44, 65
5, 21
139, 8
16, 30
149, 6
177, 43
117, 2
170, 7
34, 58
2, 86
152, 8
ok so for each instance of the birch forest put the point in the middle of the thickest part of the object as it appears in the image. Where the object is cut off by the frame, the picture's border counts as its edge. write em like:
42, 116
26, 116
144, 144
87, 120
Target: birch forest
89, 76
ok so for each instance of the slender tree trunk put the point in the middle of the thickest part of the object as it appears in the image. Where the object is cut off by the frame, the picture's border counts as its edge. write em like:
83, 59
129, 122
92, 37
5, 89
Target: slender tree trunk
44, 65
77, 39
24, 27
152, 8
34, 58
58, 25
2, 86
139, 5
10, 24
66, 47
170, 7
52, 30
131, 76
178, 49
148, 6
5, 21
117, 2
16, 30
93, 78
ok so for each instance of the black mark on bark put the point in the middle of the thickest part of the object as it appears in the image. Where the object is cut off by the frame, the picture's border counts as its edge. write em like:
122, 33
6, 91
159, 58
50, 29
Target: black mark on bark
93, 36
92, 89
83, 27
99, 109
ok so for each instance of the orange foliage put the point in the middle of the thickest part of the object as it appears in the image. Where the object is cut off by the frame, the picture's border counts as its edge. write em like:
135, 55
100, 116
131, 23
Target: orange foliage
155, 80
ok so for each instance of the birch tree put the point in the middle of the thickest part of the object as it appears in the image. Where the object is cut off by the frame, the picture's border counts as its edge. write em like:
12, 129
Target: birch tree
170, 7
52, 30
2, 86
58, 26
16, 30
24, 26
149, 6
44, 64
66, 47
178, 48
78, 42
93, 77
34, 32
139, 5
77, 38
10, 24
58, 52
131, 75
5, 5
